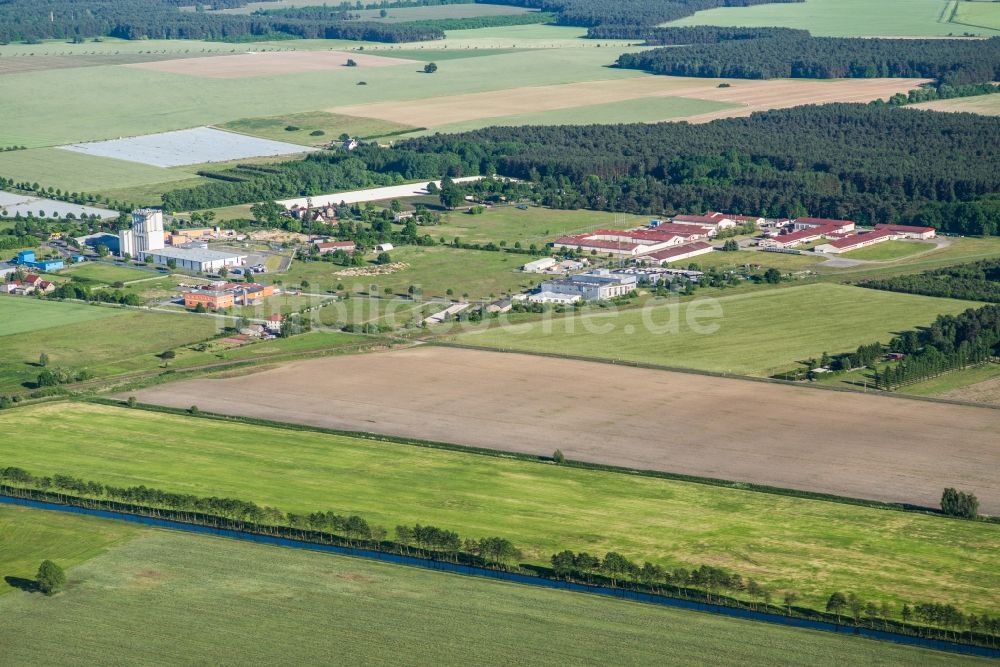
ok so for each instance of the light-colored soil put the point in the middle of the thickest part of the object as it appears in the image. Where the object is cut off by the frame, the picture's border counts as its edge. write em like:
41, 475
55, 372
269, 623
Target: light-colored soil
268, 64
752, 95
987, 391
857, 445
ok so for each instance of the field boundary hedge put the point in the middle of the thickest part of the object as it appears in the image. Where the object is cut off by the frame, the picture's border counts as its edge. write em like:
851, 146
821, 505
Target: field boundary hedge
536, 576
531, 458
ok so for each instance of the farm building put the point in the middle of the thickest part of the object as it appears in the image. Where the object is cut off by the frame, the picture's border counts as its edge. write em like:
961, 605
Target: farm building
383, 247
450, 311
710, 219
856, 241
908, 231
273, 323
500, 306
332, 246
190, 259
826, 224
553, 297
539, 265
676, 253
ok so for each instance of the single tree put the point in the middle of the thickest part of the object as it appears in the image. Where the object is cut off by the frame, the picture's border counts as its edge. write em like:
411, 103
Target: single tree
43, 359
51, 578
836, 603
430, 68
558, 456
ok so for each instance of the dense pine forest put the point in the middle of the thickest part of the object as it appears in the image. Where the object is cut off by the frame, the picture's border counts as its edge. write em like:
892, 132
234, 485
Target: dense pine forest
697, 34
978, 281
871, 163
951, 61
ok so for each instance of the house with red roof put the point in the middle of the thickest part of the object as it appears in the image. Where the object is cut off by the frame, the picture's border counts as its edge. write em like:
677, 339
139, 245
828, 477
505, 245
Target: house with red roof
909, 231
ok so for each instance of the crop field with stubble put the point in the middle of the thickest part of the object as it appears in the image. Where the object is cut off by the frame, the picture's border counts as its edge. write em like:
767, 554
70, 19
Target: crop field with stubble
813, 547
153, 596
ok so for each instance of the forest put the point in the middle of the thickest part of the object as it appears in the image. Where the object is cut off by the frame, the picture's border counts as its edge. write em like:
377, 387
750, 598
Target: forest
34, 20
951, 61
697, 34
869, 163
589, 13
978, 281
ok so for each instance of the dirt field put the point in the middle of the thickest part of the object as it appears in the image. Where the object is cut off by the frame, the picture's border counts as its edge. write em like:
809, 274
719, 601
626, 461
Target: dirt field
753, 95
847, 444
981, 392
267, 64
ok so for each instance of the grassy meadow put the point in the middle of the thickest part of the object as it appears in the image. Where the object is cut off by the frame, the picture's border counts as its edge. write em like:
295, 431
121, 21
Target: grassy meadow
434, 269
757, 333
812, 547
176, 598
851, 18
535, 224
105, 341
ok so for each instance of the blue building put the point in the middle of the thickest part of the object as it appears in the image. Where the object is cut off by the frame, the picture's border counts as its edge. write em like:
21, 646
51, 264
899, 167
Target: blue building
26, 258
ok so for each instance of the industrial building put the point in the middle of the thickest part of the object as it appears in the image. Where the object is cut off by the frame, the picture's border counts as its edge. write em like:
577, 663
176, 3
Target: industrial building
593, 286
144, 235
221, 295
27, 259
195, 259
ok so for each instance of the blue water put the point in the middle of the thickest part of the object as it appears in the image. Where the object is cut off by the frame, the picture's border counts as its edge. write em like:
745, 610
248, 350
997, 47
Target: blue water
526, 579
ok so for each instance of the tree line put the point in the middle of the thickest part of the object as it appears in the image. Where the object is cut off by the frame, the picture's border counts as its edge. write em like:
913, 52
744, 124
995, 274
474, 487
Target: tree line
710, 583
589, 13
949, 343
696, 34
951, 61
977, 281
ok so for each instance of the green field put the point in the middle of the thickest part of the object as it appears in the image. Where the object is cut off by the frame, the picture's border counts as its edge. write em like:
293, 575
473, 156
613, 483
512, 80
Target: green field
953, 380
845, 18
759, 333
435, 269
977, 15
958, 250
535, 224
889, 250
738, 259
105, 341
88, 173
21, 316
106, 273
146, 593
332, 125
810, 546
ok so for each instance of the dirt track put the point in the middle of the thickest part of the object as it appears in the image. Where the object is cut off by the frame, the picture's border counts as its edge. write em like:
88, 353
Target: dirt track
751, 95
847, 444
268, 64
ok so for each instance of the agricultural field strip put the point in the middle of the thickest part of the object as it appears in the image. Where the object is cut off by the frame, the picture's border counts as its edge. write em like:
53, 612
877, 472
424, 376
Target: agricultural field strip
184, 586
813, 546
180, 148
12, 204
646, 419
747, 95
271, 63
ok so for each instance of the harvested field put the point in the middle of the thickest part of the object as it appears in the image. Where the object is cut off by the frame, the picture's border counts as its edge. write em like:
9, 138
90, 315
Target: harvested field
750, 95
986, 105
882, 448
981, 392
268, 64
